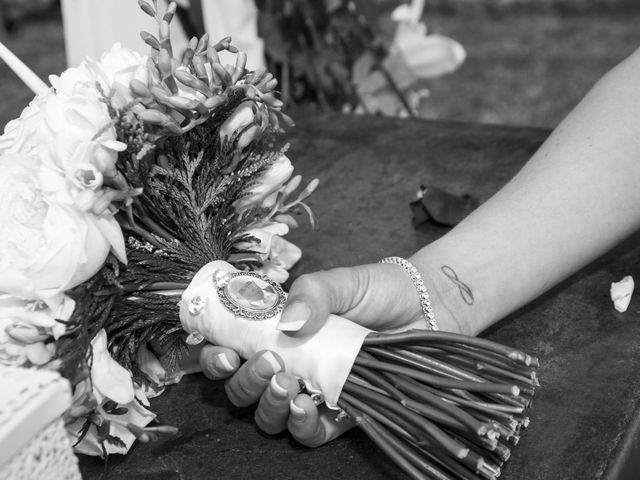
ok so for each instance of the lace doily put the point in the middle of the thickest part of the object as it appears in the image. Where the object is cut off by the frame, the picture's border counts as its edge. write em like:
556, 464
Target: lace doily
47, 456
33, 440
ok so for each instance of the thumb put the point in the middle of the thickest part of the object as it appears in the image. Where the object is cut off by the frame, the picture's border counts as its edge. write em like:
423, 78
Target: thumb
312, 297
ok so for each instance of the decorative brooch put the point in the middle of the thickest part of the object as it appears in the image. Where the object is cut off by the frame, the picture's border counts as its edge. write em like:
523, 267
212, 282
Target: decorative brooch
249, 294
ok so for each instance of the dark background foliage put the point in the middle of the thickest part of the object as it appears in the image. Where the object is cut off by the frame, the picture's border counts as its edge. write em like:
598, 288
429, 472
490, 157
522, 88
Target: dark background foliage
529, 61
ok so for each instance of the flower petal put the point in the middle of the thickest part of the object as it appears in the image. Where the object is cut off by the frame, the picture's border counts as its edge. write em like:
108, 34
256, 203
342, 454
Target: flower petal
621, 293
431, 56
109, 378
114, 145
286, 253
110, 228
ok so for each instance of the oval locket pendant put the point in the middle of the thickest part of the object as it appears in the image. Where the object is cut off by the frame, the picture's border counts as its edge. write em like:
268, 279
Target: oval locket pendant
249, 294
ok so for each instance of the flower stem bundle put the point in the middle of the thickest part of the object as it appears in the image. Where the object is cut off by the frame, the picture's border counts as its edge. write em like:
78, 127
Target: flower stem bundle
441, 405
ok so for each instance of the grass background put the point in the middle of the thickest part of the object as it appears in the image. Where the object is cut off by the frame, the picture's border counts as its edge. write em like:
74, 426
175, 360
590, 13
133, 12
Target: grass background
529, 61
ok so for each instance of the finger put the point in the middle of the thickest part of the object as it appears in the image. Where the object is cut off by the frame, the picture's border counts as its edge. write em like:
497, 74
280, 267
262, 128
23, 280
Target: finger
218, 362
358, 293
314, 426
190, 362
272, 412
249, 382
313, 296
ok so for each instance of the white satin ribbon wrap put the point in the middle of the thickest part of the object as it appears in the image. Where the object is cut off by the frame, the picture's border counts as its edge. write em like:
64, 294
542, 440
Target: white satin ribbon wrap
323, 360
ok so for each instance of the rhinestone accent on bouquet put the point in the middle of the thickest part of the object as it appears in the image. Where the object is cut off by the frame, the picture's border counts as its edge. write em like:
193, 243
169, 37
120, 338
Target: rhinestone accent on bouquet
194, 338
249, 294
316, 397
196, 305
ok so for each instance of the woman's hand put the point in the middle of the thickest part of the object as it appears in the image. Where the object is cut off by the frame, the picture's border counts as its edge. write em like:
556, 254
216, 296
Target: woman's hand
378, 296
262, 380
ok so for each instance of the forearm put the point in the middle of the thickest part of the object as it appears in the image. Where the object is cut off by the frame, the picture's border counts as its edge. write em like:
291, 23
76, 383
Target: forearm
577, 197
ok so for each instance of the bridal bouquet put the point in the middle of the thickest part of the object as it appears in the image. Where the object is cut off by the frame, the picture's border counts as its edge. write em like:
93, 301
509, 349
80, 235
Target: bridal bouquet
144, 204
116, 186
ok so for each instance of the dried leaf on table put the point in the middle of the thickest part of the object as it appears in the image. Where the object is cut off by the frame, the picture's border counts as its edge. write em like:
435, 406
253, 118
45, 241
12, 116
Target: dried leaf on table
441, 207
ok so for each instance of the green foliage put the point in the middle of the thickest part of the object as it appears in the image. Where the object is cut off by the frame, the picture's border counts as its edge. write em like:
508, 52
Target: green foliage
183, 218
312, 47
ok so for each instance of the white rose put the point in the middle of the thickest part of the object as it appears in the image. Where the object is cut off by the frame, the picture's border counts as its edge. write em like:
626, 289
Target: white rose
118, 64
113, 73
77, 131
47, 247
19, 134
73, 136
76, 81
76, 104
267, 184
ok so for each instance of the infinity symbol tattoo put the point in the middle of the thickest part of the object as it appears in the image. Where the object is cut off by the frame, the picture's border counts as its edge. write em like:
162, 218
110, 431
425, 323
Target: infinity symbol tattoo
465, 291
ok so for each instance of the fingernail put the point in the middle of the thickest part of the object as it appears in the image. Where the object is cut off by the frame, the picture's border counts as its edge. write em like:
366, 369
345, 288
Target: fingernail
267, 366
223, 362
294, 317
297, 413
277, 389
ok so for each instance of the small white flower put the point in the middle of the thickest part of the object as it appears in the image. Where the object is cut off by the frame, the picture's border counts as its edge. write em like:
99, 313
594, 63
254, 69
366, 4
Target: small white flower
243, 122
282, 256
136, 414
40, 353
110, 379
428, 56
263, 236
284, 252
33, 318
27, 325
267, 185
88, 176
151, 366
277, 254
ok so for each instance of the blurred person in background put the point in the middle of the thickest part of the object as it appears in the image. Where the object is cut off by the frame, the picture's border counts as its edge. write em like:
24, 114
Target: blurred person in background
91, 27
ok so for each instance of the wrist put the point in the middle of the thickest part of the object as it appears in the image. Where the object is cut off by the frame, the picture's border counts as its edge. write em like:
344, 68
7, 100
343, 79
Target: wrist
408, 308
455, 300
426, 310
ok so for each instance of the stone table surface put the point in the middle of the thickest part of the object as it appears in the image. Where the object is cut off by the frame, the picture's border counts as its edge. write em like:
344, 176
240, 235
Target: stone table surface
584, 416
